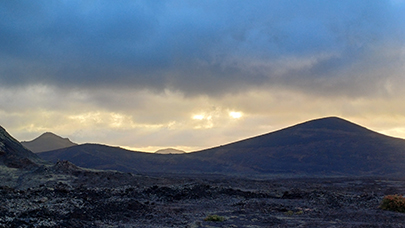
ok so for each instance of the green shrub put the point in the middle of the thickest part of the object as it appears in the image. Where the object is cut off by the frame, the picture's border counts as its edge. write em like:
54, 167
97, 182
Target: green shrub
299, 212
289, 213
393, 203
214, 218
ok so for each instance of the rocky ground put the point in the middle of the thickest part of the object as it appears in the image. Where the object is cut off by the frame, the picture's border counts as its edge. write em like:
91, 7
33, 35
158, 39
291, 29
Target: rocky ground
66, 196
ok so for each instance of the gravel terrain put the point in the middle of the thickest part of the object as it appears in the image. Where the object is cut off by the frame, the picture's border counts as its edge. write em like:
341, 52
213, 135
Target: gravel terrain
67, 196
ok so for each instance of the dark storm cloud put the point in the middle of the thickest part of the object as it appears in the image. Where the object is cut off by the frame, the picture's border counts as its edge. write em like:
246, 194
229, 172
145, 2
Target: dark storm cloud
197, 47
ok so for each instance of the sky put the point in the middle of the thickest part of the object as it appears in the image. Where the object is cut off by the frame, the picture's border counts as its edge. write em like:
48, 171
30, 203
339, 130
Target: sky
190, 75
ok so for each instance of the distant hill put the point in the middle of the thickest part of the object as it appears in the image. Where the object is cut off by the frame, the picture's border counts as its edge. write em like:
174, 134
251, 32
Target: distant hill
14, 155
169, 151
46, 142
327, 146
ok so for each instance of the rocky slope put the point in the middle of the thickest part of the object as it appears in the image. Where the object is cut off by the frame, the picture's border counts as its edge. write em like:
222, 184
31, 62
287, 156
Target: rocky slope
14, 155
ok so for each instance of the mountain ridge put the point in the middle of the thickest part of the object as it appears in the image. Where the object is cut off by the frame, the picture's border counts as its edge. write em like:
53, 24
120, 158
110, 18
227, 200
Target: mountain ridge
322, 146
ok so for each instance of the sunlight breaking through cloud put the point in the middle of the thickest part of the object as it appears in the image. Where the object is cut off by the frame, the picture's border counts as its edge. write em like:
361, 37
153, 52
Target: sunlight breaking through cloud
235, 115
198, 74
198, 117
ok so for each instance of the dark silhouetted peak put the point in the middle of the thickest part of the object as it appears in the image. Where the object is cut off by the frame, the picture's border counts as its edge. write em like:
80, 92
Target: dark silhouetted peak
50, 135
326, 145
333, 124
170, 151
15, 155
48, 141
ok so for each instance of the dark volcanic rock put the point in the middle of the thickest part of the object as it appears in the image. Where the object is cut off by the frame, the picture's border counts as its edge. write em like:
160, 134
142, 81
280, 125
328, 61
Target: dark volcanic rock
66, 167
186, 202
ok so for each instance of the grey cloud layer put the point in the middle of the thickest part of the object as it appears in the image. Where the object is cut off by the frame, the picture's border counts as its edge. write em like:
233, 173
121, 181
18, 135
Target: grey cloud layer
207, 47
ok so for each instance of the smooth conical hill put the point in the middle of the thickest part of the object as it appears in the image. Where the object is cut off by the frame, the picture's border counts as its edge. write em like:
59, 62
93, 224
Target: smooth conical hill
46, 142
328, 145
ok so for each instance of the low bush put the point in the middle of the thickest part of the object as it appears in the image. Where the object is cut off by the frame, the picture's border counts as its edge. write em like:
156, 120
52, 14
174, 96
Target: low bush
393, 203
289, 213
299, 212
214, 218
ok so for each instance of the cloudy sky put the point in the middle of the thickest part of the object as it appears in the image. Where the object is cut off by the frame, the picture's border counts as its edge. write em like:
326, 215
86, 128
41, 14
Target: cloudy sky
195, 74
